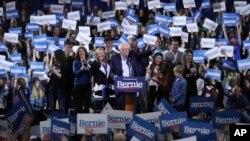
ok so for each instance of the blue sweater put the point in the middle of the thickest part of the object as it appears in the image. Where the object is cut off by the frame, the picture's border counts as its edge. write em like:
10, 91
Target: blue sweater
179, 91
82, 77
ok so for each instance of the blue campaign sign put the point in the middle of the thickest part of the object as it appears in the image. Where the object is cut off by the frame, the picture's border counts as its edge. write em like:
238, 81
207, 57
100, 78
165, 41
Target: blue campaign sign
15, 115
197, 16
12, 14
170, 120
246, 44
199, 56
130, 12
116, 43
16, 57
164, 30
202, 104
77, 3
2, 73
29, 34
17, 30
41, 47
165, 107
52, 48
37, 65
161, 18
205, 4
221, 41
60, 16
231, 19
130, 84
32, 27
170, 7
189, 20
19, 71
23, 96
59, 129
132, 19
152, 29
213, 74
123, 39
189, 128
140, 43
243, 64
222, 118
142, 129
113, 22
229, 66
51, 40
99, 41
61, 41
40, 39
210, 137
3, 47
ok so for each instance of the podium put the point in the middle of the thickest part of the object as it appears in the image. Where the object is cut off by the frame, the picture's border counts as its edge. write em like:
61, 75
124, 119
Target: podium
130, 102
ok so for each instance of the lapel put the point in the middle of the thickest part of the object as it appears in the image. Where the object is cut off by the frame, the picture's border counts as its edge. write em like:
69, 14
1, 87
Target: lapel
103, 70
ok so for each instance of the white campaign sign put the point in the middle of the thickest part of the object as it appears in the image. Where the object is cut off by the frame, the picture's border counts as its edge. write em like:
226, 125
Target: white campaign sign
95, 21
135, 2
245, 10
179, 20
192, 27
240, 3
152, 117
213, 53
227, 51
188, 3
149, 39
108, 14
48, 19
6, 65
36, 19
99, 123
125, 22
130, 29
221, 6
45, 128
69, 24
118, 118
184, 37
211, 25
120, 5
81, 37
192, 138
74, 15
154, 4
64, 1
10, 6
103, 26
55, 8
11, 37
85, 30
207, 42
175, 31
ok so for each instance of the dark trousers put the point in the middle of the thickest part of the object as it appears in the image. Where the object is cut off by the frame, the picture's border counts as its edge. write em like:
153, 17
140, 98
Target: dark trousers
152, 94
57, 94
82, 97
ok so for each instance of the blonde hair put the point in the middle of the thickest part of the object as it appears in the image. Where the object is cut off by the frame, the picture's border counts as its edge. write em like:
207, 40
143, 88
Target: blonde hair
97, 51
179, 69
38, 92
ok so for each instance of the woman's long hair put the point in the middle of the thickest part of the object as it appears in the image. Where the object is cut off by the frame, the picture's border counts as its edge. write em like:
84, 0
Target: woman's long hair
60, 57
162, 66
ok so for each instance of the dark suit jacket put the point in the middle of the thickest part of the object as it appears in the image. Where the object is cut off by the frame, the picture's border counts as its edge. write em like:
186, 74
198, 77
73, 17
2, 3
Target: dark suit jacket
99, 74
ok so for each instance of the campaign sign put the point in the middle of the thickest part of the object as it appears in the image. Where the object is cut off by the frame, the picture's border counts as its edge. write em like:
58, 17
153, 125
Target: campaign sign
205, 4
140, 43
99, 123
59, 129
123, 39
17, 30
209, 24
164, 106
220, 6
170, 7
37, 65
179, 20
213, 53
36, 19
197, 16
113, 23
12, 14
52, 48
189, 3
55, 8
85, 30
135, 2
142, 128
199, 56
32, 27
167, 121
81, 37
243, 64
103, 26
229, 66
40, 47
213, 74
40, 39
152, 29
15, 115
184, 37
60, 16
221, 41
120, 5
161, 18
117, 119
64, 1
227, 51
164, 30
11, 37
45, 129
130, 84
2, 47
154, 4
210, 137
29, 34
207, 42
230, 19
152, 117
192, 27
16, 57
130, 30
222, 118
51, 40
2, 74
175, 31
246, 44
20, 71
10, 5
108, 14
132, 19
69, 24
190, 127
75, 15
23, 96
61, 41
6, 64
201, 104
99, 41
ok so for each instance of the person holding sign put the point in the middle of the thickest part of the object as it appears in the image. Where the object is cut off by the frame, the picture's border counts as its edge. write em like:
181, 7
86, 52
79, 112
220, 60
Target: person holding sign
58, 77
4, 92
38, 99
179, 89
82, 85
102, 84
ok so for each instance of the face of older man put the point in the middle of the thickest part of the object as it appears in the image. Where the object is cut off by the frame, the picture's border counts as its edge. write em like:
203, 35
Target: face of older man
124, 50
